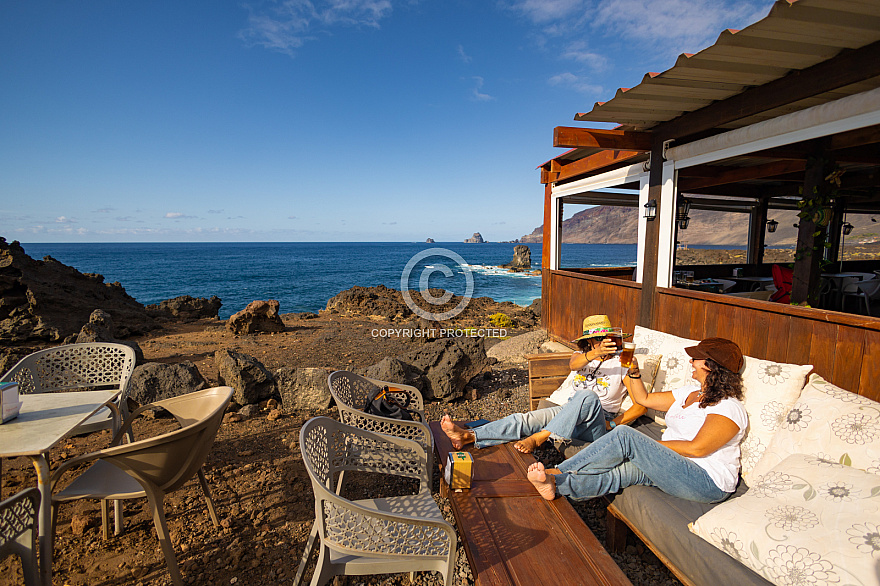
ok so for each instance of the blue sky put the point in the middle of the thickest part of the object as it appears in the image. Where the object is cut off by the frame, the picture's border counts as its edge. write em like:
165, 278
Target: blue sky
298, 120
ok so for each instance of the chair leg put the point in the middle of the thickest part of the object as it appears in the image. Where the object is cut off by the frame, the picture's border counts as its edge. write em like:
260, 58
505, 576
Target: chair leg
105, 519
323, 570
118, 521
28, 555
208, 500
304, 560
157, 503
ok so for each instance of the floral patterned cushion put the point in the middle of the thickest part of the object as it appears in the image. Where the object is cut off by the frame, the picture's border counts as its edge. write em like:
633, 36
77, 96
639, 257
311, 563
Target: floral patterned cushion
806, 521
828, 423
770, 389
675, 368
648, 366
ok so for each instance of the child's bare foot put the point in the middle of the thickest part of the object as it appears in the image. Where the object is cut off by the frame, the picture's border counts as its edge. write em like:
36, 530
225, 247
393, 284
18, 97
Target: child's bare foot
528, 445
544, 482
459, 436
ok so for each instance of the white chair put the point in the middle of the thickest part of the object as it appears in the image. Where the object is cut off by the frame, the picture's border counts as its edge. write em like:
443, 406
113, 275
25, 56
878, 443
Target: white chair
867, 291
73, 367
18, 532
375, 535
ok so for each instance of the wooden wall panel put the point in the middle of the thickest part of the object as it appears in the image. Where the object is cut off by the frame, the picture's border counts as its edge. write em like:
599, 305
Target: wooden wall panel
844, 349
848, 357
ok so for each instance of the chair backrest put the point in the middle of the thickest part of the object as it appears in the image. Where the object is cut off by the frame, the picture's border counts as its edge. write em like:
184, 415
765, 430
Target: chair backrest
98, 365
869, 287
350, 390
782, 278
329, 447
18, 515
169, 460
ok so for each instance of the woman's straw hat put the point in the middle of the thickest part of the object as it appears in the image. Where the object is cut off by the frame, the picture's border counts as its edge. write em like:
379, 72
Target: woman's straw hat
596, 326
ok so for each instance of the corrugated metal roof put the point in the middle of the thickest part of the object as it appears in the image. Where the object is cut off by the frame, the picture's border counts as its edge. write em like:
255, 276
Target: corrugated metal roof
795, 35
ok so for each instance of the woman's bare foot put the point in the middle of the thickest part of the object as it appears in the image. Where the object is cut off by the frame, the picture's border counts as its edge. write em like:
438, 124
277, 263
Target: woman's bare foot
528, 445
544, 482
459, 436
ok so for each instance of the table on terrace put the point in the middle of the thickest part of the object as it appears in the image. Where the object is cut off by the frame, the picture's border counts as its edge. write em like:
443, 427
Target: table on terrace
512, 536
45, 419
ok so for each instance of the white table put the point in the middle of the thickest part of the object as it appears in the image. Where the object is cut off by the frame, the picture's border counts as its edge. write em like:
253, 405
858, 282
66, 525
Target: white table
756, 282
45, 419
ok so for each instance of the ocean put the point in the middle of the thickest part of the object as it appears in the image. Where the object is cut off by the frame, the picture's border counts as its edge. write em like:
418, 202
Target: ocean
302, 276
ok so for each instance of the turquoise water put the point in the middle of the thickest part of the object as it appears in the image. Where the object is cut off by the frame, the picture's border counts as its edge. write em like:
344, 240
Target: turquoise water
302, 276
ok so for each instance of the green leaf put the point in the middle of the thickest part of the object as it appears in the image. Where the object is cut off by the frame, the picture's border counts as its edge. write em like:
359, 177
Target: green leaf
846, 460
798, 486
755, 553
809, 494
875, 491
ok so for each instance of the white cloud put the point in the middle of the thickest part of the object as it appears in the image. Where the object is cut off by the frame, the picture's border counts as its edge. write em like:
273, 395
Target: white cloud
64, 220
548, 11
577, 51
477, 94
579, 84
463, 56
676, 26
290, 24
178, 216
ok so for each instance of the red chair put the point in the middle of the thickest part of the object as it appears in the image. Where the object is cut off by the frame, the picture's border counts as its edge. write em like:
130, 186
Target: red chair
782, 278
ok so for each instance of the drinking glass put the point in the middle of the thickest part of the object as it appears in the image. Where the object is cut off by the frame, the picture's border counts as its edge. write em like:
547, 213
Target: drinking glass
616, 336
626, 357
689, 276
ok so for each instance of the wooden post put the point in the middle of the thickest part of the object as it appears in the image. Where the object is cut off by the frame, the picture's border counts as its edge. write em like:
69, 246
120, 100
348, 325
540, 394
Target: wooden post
811, 235
652, 239
545, 257
757, 232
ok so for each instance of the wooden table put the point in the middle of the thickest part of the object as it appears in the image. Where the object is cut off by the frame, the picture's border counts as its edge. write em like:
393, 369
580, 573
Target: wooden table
511, 535
45, 419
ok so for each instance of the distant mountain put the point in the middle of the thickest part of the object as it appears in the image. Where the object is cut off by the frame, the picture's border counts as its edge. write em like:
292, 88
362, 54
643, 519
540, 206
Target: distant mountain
618, 225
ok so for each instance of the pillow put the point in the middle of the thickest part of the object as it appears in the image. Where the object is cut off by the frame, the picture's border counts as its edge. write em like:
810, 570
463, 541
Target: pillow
806, 521
648, 365
828, 423
675, 367
770, 390
564, 391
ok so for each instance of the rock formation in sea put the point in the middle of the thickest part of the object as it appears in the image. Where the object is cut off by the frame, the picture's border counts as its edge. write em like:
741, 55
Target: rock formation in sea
477, 238
48, 301
522, 258
430, 241
186, 308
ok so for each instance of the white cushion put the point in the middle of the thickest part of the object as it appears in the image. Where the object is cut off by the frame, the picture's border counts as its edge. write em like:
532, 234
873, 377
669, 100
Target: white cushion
770, 389
649, 365
675, 368
828, 423
806, 521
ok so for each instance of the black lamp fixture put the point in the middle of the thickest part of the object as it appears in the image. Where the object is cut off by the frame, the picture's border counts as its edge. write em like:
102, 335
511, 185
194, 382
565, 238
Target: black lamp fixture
771, 226
682, 207
847, 228
650, 210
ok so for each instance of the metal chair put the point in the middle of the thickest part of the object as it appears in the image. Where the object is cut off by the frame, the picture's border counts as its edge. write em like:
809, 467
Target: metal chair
93, 366
867, 291
18, 531
350, 391
371, 536
152, 467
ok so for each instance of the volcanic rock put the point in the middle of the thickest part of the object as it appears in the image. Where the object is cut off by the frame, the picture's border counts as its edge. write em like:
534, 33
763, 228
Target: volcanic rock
100, 329
251, 381
477, 238
522, 258
258, 316
377, 301
47, 301
442, 367
155, 381
186, 308
303, 388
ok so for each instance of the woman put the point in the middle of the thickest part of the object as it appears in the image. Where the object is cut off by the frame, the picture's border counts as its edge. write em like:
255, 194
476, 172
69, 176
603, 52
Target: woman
698, 456
584, 410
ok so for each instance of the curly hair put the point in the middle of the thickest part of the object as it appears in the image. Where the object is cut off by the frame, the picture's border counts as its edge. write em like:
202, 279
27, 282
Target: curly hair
720, 384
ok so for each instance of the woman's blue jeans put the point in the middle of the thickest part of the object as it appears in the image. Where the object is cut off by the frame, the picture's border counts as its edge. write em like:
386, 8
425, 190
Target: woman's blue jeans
581, 418
624, 457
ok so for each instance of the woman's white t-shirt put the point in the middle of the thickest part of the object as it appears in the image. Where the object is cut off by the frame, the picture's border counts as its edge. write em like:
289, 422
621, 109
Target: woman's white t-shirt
683, 423
607, 384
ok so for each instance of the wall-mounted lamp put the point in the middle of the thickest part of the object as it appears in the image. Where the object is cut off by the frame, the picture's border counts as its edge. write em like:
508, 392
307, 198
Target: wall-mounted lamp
650, 210
771, 226
847, 228
683, 223
682, 208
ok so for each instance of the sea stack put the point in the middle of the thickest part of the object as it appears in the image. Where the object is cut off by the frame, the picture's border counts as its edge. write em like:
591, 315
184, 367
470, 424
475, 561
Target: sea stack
522, 258
477, 238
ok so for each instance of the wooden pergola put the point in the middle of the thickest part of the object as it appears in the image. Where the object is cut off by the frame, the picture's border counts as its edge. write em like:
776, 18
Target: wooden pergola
784, 114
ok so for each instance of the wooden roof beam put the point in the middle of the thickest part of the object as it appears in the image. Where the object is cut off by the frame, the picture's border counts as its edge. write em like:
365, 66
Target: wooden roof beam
595, 162
725, 175
846, 68
571, 137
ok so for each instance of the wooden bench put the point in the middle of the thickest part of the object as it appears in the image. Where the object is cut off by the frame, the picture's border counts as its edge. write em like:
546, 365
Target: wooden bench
514, 537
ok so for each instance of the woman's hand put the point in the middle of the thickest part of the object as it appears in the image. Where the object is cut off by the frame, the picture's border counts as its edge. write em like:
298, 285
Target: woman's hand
605, 349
